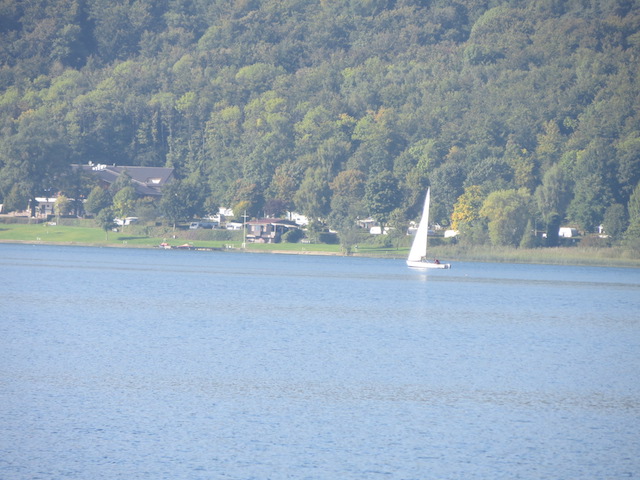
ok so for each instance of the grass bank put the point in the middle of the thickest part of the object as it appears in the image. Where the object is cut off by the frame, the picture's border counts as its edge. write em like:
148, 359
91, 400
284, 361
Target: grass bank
82, 233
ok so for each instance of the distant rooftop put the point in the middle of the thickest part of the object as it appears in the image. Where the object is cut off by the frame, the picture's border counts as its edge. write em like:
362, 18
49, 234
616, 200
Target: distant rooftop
148, 181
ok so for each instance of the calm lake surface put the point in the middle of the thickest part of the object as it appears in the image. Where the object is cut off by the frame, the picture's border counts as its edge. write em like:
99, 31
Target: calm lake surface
154, 364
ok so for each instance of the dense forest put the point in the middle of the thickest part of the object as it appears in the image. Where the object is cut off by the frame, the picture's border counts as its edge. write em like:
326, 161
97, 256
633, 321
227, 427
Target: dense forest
515, 112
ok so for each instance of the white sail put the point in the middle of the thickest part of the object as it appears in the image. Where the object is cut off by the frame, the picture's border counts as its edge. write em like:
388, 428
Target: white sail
418, 254
419, 247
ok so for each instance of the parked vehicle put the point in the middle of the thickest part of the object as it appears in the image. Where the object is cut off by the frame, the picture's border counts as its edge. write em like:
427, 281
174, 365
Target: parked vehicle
196, 225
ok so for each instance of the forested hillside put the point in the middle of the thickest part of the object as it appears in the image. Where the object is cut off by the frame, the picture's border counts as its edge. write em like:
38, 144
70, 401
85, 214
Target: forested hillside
510, 110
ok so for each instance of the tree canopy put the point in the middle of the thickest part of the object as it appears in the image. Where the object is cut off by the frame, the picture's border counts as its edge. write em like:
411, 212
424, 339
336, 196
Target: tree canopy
278, 102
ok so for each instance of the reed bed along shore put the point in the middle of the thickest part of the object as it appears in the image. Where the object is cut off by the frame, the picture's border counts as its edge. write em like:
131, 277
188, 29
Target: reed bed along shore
594, 256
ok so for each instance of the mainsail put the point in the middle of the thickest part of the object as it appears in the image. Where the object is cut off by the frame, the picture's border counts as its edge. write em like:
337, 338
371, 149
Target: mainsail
418, 250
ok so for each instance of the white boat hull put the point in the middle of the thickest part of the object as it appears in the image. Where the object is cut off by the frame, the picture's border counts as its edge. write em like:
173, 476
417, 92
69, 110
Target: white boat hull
426, 265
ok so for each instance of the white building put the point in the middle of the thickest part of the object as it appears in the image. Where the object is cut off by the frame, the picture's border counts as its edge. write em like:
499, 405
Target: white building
567, 232
298, 218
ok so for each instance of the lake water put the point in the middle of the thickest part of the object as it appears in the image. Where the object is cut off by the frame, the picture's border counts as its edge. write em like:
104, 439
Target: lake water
154, 364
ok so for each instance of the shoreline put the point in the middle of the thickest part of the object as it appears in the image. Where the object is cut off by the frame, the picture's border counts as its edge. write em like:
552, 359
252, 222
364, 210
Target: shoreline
177, 247
479, 254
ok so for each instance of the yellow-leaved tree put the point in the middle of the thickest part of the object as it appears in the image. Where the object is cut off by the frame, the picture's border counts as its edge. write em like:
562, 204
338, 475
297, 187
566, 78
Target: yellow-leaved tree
466, 218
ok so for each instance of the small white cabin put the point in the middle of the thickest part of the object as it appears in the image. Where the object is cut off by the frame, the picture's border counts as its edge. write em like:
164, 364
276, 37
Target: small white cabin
298, 218
567, 232
377, 230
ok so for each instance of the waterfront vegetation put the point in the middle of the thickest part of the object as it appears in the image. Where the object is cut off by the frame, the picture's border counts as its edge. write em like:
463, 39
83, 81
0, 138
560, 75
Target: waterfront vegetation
84, 233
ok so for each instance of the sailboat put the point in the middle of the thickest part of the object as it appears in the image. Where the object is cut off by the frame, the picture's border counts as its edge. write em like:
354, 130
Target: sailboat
418, 253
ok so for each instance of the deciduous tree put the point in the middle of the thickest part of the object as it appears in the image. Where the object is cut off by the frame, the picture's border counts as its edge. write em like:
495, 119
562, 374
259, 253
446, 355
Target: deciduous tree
381, 197
183, 199
615, 221
98, 199
124, 202
314, 195
508, 213
466, 216
62, 206
105, 220
553, 197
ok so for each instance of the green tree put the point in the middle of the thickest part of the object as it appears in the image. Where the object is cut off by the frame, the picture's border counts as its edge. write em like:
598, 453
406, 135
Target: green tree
553, 197
381, 197
62, 206
348, 236
628, 154
17, 198
267, 138
124, 202
508, 214
257, 78
633, 207
397, 230
172, 204
615, 221
35, 157
245, 197
632, 234
549, 145
321, 137
314, 195
119, 26
146, 209
446, 187
346, 200
285, 183
593, 190
223, 142
123, 181
379, 141
182, 200
528, 237
105, 220
98, 199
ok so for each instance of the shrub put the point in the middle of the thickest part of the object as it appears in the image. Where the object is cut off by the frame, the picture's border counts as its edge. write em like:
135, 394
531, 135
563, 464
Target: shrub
593, 241
328, 238
293, 236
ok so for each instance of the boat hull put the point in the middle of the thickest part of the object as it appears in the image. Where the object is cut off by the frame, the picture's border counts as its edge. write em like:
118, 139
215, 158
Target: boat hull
427, 265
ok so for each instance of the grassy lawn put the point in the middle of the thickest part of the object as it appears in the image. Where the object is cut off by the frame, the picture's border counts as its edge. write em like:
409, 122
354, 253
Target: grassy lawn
45, 233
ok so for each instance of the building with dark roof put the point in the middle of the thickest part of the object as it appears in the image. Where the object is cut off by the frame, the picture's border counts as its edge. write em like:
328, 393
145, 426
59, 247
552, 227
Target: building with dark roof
147, 181
268, 230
